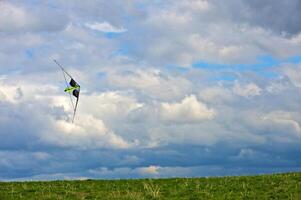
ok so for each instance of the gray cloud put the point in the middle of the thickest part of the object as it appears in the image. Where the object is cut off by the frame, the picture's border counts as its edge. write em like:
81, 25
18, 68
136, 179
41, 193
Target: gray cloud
16, 18
182, 33
280, 16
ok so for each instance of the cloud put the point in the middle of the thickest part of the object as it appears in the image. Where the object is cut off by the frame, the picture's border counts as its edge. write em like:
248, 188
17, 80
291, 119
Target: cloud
247, 90
11, 94
152, 170
292, 73
86, 133
188, 110
263, 12
214, 33
284, 121
16, 18
216, 94
110, 105
105, 27
151, 82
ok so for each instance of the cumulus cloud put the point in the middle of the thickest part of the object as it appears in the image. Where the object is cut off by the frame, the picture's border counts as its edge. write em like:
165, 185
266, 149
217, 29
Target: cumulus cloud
188, 110
10, 93
110, 105
87, 133
151, 82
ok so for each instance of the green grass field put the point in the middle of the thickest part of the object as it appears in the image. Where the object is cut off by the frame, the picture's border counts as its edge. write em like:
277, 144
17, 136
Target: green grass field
278, 186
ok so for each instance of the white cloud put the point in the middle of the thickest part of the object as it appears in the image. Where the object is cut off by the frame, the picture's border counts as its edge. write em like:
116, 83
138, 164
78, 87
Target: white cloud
9, 93
109, 105
277, 87
150, 170
87, 133
13, 17
296, 40
105, 27
247, 90
188, 110
283, 122
216, 94
151, 82
293, 73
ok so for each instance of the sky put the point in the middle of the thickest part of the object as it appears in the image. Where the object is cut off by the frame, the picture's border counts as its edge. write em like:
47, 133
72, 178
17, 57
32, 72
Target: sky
168, 88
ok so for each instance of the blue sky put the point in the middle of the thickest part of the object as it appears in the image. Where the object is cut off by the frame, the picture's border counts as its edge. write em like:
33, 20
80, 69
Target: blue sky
169, 88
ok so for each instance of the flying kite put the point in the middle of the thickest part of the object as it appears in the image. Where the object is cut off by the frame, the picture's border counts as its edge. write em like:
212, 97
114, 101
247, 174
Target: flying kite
73, 88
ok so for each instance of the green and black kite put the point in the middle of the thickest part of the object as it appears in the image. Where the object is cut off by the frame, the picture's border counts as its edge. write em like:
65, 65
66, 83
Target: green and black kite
73, 88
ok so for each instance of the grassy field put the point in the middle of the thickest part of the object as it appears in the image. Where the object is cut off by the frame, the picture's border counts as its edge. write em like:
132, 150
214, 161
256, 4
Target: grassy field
278, 186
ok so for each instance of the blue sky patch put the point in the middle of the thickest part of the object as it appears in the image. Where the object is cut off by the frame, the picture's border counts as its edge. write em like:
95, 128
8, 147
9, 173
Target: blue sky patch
29, 53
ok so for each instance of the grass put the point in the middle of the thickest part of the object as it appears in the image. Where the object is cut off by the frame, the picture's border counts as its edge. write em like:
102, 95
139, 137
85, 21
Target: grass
277, 186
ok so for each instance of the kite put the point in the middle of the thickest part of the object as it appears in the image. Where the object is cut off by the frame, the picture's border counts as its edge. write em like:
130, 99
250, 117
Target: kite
73, 88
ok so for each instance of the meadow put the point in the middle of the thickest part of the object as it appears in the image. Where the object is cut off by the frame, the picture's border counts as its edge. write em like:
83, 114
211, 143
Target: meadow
275, 186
